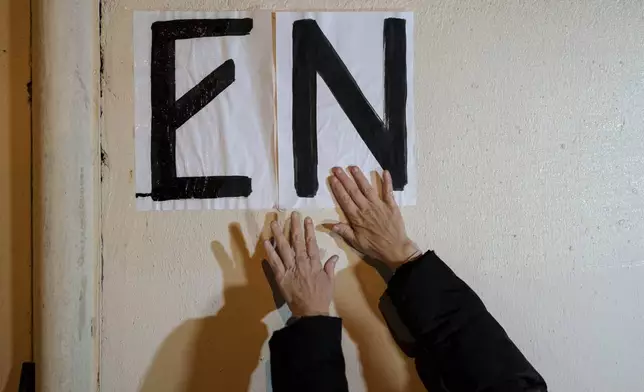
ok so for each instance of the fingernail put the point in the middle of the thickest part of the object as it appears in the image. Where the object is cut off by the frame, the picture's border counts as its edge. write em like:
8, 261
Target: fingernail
337, 170
308, 220
353, 168
335, 229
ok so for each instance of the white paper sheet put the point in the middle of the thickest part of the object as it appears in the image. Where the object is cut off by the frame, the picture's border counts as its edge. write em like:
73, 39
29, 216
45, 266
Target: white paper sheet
358, 39
233, 134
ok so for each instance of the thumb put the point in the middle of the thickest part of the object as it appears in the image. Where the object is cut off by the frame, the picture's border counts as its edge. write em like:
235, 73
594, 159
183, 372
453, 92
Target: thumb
329, 266
345, 231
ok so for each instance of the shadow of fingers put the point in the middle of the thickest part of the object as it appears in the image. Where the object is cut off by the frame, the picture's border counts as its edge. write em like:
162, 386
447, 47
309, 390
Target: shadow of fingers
220, 352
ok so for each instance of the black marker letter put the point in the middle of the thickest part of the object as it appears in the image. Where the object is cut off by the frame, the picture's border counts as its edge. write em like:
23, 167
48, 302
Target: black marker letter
168, 113
387, 140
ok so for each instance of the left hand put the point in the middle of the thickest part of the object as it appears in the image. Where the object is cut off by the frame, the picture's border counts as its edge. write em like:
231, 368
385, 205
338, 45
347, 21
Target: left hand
306, 286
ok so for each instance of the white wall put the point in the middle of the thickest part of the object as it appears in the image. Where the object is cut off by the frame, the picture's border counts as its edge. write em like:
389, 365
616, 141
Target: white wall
530, 126
65, 184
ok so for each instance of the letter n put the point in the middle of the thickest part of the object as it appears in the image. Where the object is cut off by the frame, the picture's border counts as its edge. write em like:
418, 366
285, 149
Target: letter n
386, 139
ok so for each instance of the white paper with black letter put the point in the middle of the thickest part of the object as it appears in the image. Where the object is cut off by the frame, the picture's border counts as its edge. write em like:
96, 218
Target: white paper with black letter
344, 97
204, 120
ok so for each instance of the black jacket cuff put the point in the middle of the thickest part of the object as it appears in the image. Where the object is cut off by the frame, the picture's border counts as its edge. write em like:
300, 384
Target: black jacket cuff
307, 356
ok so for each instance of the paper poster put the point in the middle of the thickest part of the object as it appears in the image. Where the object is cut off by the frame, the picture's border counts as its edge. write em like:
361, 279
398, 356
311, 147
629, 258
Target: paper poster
344, 97
204, 110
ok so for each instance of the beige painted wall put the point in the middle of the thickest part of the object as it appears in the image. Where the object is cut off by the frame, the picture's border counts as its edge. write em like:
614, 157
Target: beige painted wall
530, 126
15, 192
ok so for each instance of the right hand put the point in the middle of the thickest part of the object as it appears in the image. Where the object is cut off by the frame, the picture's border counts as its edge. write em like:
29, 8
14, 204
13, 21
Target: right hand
375, 226
306, 285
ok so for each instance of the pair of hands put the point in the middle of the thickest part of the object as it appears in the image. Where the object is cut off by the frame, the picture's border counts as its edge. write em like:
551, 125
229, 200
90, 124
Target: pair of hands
375, 228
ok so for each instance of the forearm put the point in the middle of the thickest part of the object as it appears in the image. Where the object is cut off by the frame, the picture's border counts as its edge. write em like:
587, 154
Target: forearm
456, 335
307, 356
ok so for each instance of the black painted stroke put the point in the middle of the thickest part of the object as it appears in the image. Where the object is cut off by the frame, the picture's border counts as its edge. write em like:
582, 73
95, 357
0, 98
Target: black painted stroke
395, 47
168, 113
387, 140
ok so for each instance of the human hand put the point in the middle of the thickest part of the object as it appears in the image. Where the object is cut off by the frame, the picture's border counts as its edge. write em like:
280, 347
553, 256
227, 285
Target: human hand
306, 286
376, 226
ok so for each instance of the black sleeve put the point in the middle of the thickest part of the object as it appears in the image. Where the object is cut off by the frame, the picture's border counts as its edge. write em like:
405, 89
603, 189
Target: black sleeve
307, 356
458, 343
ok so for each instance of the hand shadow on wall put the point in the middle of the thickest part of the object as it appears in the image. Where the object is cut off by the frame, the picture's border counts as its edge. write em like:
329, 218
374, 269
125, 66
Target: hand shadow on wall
220, 352
385, 368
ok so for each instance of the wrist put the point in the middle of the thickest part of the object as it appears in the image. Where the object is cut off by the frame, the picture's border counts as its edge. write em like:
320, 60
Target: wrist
407, 252
294, 319
310, 313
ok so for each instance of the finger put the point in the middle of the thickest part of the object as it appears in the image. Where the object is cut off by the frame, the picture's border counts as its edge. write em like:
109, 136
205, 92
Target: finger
283, 247
345, 231
351, 188
297, 240
344, 200
274, 260
388, 189
329, 266
311, 243
363, 184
